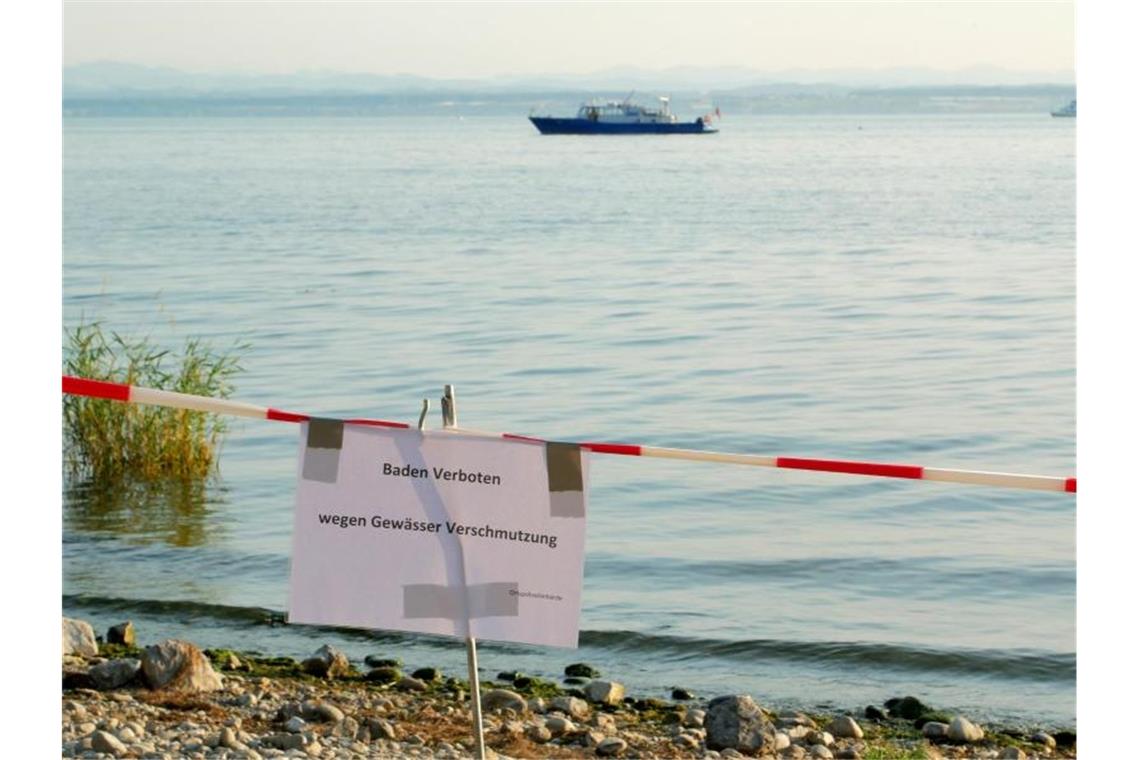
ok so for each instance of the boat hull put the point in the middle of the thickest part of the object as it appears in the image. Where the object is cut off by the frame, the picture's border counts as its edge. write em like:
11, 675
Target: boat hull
549, 125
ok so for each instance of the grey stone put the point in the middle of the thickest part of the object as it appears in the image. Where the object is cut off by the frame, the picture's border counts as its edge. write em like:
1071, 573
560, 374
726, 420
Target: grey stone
123, 633
797, 733
284, 741
962, 730
408, 683
793, 752
581, 670
327, 662
820, 751
384, 674
1043, 738
605, 692
560, 726
936, 730
845, 727
504, 699
321, 712
572, 706
536, 705
180, 665
380, 729
428, 674
102, 741
781, 742
693, 718
792, 719
114, 673
847, 753
737, 722
295, 725
687, 741
539, 734
79, 638
611, 746
227, 738
1012, 753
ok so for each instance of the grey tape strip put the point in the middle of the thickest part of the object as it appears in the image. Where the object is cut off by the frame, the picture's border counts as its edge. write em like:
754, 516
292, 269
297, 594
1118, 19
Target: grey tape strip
567, 504
430, 600
322, 450
325, 434
564, 473
564, 466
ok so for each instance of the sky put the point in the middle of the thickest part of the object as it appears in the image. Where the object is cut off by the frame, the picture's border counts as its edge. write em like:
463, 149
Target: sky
483, 40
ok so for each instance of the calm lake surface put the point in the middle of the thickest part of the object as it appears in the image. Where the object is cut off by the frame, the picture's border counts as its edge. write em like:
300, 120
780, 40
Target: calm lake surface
894, 288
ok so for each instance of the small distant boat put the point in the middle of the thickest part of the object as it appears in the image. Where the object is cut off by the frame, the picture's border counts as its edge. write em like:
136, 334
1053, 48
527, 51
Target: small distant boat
623, 118
1069, 110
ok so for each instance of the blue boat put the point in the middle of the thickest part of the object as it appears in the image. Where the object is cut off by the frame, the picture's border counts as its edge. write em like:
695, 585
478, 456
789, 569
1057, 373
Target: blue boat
623, 118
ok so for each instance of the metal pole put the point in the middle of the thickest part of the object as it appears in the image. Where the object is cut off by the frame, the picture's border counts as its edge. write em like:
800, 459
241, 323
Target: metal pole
451, 420
476, 699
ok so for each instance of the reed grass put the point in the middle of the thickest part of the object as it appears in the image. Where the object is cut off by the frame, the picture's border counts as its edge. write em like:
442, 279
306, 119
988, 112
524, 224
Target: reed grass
107, 441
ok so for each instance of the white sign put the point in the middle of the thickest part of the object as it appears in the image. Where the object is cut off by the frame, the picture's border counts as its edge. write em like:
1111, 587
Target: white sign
439, 533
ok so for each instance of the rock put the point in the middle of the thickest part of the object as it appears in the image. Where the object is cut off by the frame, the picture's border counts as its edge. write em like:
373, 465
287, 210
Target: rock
935, 730
907, 707
687, 741
794, 752
936, 717
821, 752
1065, 739
683, 695
582, 670
845, 728
560, 726
572, 706
792, 719
407, 683
799, 732
873, 713
847, 753
736, 722
327, 662
962, 730
1043, 738
173, 664
79, 638
575, 681
296, 724
123, 633
376, 661
321, 712
102, 741
536, 705
384, 674
227, 738
430, 675
611, 746
76, 678
283, 741
605, 692
114, 673
539, 734
606, 723
781, 742
381, 729
504, 699
693, 718
1012, 753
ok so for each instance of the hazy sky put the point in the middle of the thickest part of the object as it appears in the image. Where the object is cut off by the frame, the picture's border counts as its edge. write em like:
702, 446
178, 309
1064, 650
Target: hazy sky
486, 39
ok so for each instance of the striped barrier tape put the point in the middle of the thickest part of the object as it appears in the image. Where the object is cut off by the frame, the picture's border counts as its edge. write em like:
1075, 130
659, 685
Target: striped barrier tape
133, 394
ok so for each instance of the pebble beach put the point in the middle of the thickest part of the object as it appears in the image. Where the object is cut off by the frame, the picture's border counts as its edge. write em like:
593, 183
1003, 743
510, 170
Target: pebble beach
125, 698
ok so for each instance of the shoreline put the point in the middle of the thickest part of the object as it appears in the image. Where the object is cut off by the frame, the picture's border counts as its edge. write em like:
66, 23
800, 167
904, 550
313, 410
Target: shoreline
225, 704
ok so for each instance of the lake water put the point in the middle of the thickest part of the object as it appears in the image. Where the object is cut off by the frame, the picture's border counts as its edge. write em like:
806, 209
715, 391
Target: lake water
889, 288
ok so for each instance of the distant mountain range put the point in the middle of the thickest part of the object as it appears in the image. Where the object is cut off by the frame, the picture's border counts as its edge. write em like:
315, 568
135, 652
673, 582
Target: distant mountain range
126, 88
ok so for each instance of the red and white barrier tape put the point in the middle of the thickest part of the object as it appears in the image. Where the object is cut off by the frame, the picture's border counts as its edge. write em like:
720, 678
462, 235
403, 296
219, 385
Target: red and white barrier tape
133, 394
